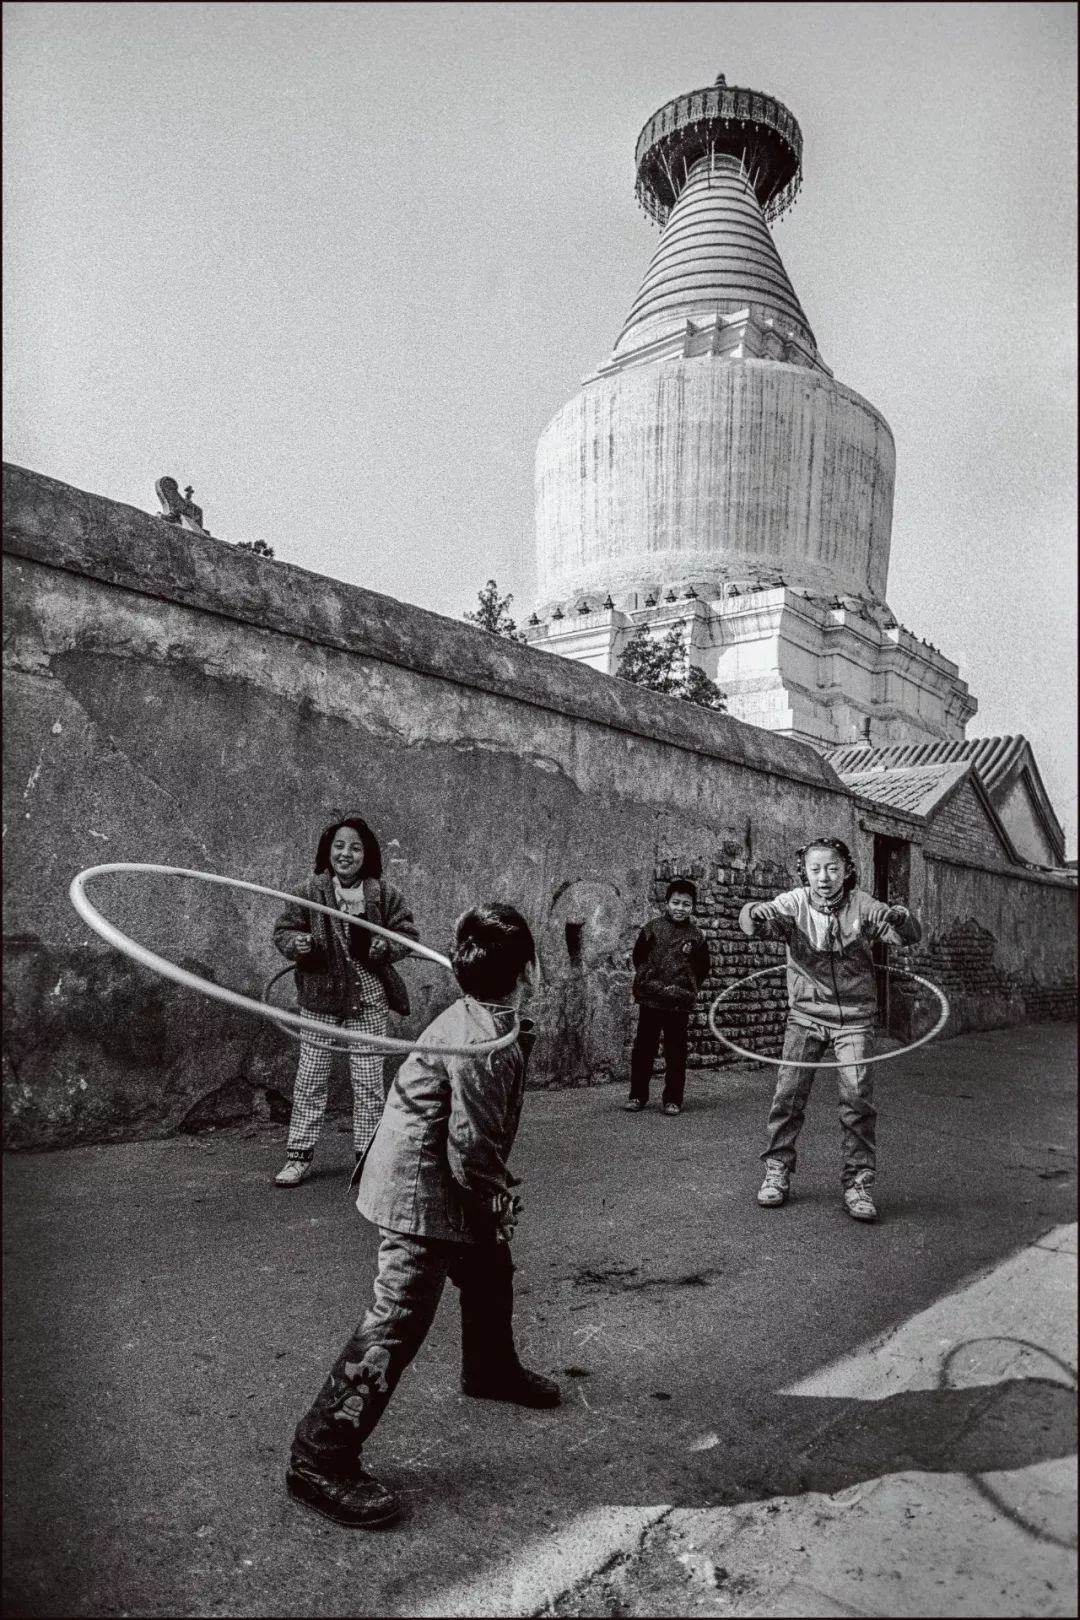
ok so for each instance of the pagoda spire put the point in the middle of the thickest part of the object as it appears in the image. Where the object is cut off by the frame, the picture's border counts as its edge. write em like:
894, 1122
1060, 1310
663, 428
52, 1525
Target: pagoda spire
716, 261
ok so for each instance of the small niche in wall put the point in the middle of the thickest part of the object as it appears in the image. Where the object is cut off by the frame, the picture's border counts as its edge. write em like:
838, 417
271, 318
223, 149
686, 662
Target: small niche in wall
573, 940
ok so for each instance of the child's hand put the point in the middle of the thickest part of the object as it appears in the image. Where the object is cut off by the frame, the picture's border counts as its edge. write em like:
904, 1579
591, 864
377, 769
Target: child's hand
759, 913
379, 949
304, 942
506, 1208
896, 915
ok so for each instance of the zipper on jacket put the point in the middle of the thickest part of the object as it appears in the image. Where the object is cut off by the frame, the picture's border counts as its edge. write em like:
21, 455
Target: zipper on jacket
832, 965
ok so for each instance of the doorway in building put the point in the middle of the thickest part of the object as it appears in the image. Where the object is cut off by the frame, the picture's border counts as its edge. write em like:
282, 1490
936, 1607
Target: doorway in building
892, 883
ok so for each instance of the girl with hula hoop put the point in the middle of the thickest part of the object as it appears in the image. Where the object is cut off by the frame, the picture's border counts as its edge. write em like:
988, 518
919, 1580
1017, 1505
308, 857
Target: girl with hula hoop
345, 977
829, 925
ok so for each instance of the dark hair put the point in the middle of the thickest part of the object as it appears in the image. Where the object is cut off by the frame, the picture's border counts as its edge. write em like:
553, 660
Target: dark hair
493, 945
851, 876
372, 867
682, 886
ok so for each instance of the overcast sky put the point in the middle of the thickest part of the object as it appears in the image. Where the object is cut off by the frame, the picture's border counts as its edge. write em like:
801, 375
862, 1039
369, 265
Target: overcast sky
337, 265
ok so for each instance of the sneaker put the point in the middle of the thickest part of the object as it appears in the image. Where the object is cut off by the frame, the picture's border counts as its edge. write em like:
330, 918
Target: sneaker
857, 1200
776, 1186
521, 1387
673, 1108
293, 1172
358, 1500
633, 1106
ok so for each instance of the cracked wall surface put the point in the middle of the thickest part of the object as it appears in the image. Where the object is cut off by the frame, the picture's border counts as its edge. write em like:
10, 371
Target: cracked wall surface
173, 701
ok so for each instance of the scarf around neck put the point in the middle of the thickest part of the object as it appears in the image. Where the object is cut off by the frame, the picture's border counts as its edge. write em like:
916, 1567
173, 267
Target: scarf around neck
350, 900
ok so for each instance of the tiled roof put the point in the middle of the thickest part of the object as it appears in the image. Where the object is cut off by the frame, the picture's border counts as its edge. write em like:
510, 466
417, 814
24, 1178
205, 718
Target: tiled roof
993, 757
999, 761
915, 789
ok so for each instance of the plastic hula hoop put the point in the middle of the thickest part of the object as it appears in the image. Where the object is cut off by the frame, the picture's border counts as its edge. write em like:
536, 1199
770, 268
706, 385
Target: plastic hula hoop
233, 998
348, 1043
881, 1057
325, 1045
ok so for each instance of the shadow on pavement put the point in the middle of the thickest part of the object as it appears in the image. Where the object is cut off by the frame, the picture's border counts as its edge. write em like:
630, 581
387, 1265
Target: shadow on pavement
814, 1443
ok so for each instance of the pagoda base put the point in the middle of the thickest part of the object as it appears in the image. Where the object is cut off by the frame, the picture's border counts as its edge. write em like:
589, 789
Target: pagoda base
804, 666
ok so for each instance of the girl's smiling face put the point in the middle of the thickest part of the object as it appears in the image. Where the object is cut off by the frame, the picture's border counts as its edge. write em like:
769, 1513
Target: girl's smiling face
825, 871
346, 855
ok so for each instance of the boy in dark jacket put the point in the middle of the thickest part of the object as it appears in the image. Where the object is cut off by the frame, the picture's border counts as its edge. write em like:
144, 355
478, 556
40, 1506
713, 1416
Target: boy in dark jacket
671, 957
344, 977
436, 1183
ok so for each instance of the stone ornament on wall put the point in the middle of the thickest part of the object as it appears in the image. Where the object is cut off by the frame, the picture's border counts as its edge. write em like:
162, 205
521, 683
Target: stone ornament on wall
179, 509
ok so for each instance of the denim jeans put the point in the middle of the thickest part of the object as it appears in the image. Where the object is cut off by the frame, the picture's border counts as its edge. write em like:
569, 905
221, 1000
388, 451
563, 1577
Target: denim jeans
672, 1024
858, 1116
408, 1287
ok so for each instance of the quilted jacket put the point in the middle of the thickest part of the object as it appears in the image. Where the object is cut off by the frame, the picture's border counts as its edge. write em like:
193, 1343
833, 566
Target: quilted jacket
325, 981
439, 1156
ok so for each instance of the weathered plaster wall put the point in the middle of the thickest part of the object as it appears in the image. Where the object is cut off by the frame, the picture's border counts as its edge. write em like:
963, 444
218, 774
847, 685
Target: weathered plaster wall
1002, 945
172, 700
1024, 826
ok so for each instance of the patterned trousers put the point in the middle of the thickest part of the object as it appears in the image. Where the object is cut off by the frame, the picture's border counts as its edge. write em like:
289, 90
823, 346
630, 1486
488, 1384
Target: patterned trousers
365, 1072
408, 1287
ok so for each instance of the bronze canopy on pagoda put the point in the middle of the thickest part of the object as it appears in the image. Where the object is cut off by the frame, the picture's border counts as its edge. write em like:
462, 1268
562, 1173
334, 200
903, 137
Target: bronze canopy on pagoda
757, 129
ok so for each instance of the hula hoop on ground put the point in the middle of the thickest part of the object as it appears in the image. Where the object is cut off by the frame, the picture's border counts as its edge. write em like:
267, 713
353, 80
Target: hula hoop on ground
881, 1057
233, 998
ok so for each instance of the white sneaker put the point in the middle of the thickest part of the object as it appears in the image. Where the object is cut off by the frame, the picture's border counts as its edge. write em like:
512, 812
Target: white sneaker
293, 1173
776, 1186
857, 1200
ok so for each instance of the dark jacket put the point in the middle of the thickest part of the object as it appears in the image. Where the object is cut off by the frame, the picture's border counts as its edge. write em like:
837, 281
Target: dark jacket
439, 1156
830, 962
672, 962
324, 978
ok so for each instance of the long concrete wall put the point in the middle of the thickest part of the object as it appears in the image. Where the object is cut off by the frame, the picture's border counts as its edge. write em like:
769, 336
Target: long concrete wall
172, 700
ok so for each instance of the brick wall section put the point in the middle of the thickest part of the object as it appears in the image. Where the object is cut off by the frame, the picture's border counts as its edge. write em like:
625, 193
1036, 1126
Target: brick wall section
755, 1015
963, 961
961, 828
1050, 1003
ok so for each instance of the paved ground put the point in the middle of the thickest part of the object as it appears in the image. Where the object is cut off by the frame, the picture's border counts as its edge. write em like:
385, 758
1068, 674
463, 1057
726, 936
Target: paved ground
767, 1412
976, 1515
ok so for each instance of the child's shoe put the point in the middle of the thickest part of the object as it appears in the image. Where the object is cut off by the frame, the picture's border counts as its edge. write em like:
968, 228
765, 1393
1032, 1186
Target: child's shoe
519, 1385
633, 1106
357, 1500
296, 1167
673, 1108
776, 1186
857, 1200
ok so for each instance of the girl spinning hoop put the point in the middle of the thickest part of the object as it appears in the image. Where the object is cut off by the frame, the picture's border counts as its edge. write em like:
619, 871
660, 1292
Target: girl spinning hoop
340, 977
345, 977
829, 926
